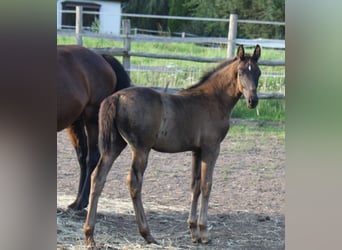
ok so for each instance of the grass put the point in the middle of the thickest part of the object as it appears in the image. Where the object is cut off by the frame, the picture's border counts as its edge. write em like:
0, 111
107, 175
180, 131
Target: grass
252, 139
182, 74
267, 110
259, 130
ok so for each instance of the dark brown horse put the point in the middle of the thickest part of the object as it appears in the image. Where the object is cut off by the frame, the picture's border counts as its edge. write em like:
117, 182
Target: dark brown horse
84, 79
195, 119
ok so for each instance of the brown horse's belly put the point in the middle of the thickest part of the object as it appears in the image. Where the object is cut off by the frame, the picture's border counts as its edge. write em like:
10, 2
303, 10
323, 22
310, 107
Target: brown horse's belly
66, 119
68, 111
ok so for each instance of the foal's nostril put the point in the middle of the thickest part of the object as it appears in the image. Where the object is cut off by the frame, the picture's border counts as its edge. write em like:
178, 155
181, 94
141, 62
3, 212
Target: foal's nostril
252, 102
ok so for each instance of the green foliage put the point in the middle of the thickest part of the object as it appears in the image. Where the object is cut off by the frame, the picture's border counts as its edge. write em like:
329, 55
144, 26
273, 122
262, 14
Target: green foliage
245, 9
177, 8
208, 8
95, 26
155, 7
268, 10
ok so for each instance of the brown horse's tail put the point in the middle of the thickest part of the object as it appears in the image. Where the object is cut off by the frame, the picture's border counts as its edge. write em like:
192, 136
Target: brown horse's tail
123, 79
107, 128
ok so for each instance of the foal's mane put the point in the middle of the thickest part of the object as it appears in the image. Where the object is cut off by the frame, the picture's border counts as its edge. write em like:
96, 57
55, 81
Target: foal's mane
207, 75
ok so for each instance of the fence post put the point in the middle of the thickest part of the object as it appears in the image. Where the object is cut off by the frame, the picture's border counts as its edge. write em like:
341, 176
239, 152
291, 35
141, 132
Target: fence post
79, 24
126, 30
232, 35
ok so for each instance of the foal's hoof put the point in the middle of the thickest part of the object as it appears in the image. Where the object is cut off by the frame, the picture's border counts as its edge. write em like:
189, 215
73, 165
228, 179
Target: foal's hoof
199, 240
91, 245
205, 241
150, 240
196, 240
92, 248
204, 234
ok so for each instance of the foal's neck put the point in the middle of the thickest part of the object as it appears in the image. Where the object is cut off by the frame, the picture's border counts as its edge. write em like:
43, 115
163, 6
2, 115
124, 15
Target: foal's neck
225, 89
223, 86
220, 87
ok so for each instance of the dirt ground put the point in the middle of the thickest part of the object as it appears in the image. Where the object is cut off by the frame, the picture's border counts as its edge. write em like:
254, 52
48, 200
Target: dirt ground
246, 208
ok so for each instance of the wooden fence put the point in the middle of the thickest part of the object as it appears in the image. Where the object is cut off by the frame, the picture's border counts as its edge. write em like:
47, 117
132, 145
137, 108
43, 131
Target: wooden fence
127, 38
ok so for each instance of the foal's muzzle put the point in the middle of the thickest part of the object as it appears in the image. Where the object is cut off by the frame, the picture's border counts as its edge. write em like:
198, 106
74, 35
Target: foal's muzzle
252, 101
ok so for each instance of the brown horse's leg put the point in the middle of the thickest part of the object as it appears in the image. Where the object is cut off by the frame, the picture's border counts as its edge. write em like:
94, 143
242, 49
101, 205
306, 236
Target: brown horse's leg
134, 182
78, 139
196, 191
98, 179
209, 156
92, 159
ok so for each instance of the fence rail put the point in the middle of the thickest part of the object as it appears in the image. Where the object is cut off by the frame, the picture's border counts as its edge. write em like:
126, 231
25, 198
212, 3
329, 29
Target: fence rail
124, 52
134, 36
128, 35
206, 19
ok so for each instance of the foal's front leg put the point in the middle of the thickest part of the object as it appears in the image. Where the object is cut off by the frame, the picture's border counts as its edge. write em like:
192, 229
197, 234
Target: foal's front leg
209, 156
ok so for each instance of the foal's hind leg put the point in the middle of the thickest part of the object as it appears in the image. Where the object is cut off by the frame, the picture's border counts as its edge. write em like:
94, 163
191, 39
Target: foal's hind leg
78, 139
98, 180
134, 182
196, 191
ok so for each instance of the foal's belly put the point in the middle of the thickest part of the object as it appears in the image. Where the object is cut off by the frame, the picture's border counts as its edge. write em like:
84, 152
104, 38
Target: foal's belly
169, 148
175, 140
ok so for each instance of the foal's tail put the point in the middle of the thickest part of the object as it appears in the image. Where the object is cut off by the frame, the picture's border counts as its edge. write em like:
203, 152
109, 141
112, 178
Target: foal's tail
107, 127
123, 79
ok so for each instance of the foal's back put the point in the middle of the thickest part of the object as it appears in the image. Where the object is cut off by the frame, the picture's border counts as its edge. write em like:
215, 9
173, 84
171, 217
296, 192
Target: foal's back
170, 123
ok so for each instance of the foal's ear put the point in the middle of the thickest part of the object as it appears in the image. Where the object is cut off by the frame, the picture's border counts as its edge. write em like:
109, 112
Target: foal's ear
257, 53
241, 52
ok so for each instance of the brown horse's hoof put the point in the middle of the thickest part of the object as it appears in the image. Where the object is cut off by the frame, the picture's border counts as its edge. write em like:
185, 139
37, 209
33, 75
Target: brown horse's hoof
77, 206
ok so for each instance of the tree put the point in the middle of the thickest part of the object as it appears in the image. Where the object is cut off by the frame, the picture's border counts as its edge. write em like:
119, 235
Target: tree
269, 10
156, 7
177, 8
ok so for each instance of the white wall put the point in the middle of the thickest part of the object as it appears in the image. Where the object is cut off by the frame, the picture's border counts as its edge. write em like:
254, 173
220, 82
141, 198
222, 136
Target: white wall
59, 15
110, 19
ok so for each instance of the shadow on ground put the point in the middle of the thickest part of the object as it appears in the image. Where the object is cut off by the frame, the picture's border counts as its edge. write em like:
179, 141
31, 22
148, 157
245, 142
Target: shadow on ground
240, 230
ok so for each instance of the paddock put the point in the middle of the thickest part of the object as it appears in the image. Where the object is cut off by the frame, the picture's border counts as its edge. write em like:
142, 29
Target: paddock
247, 203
